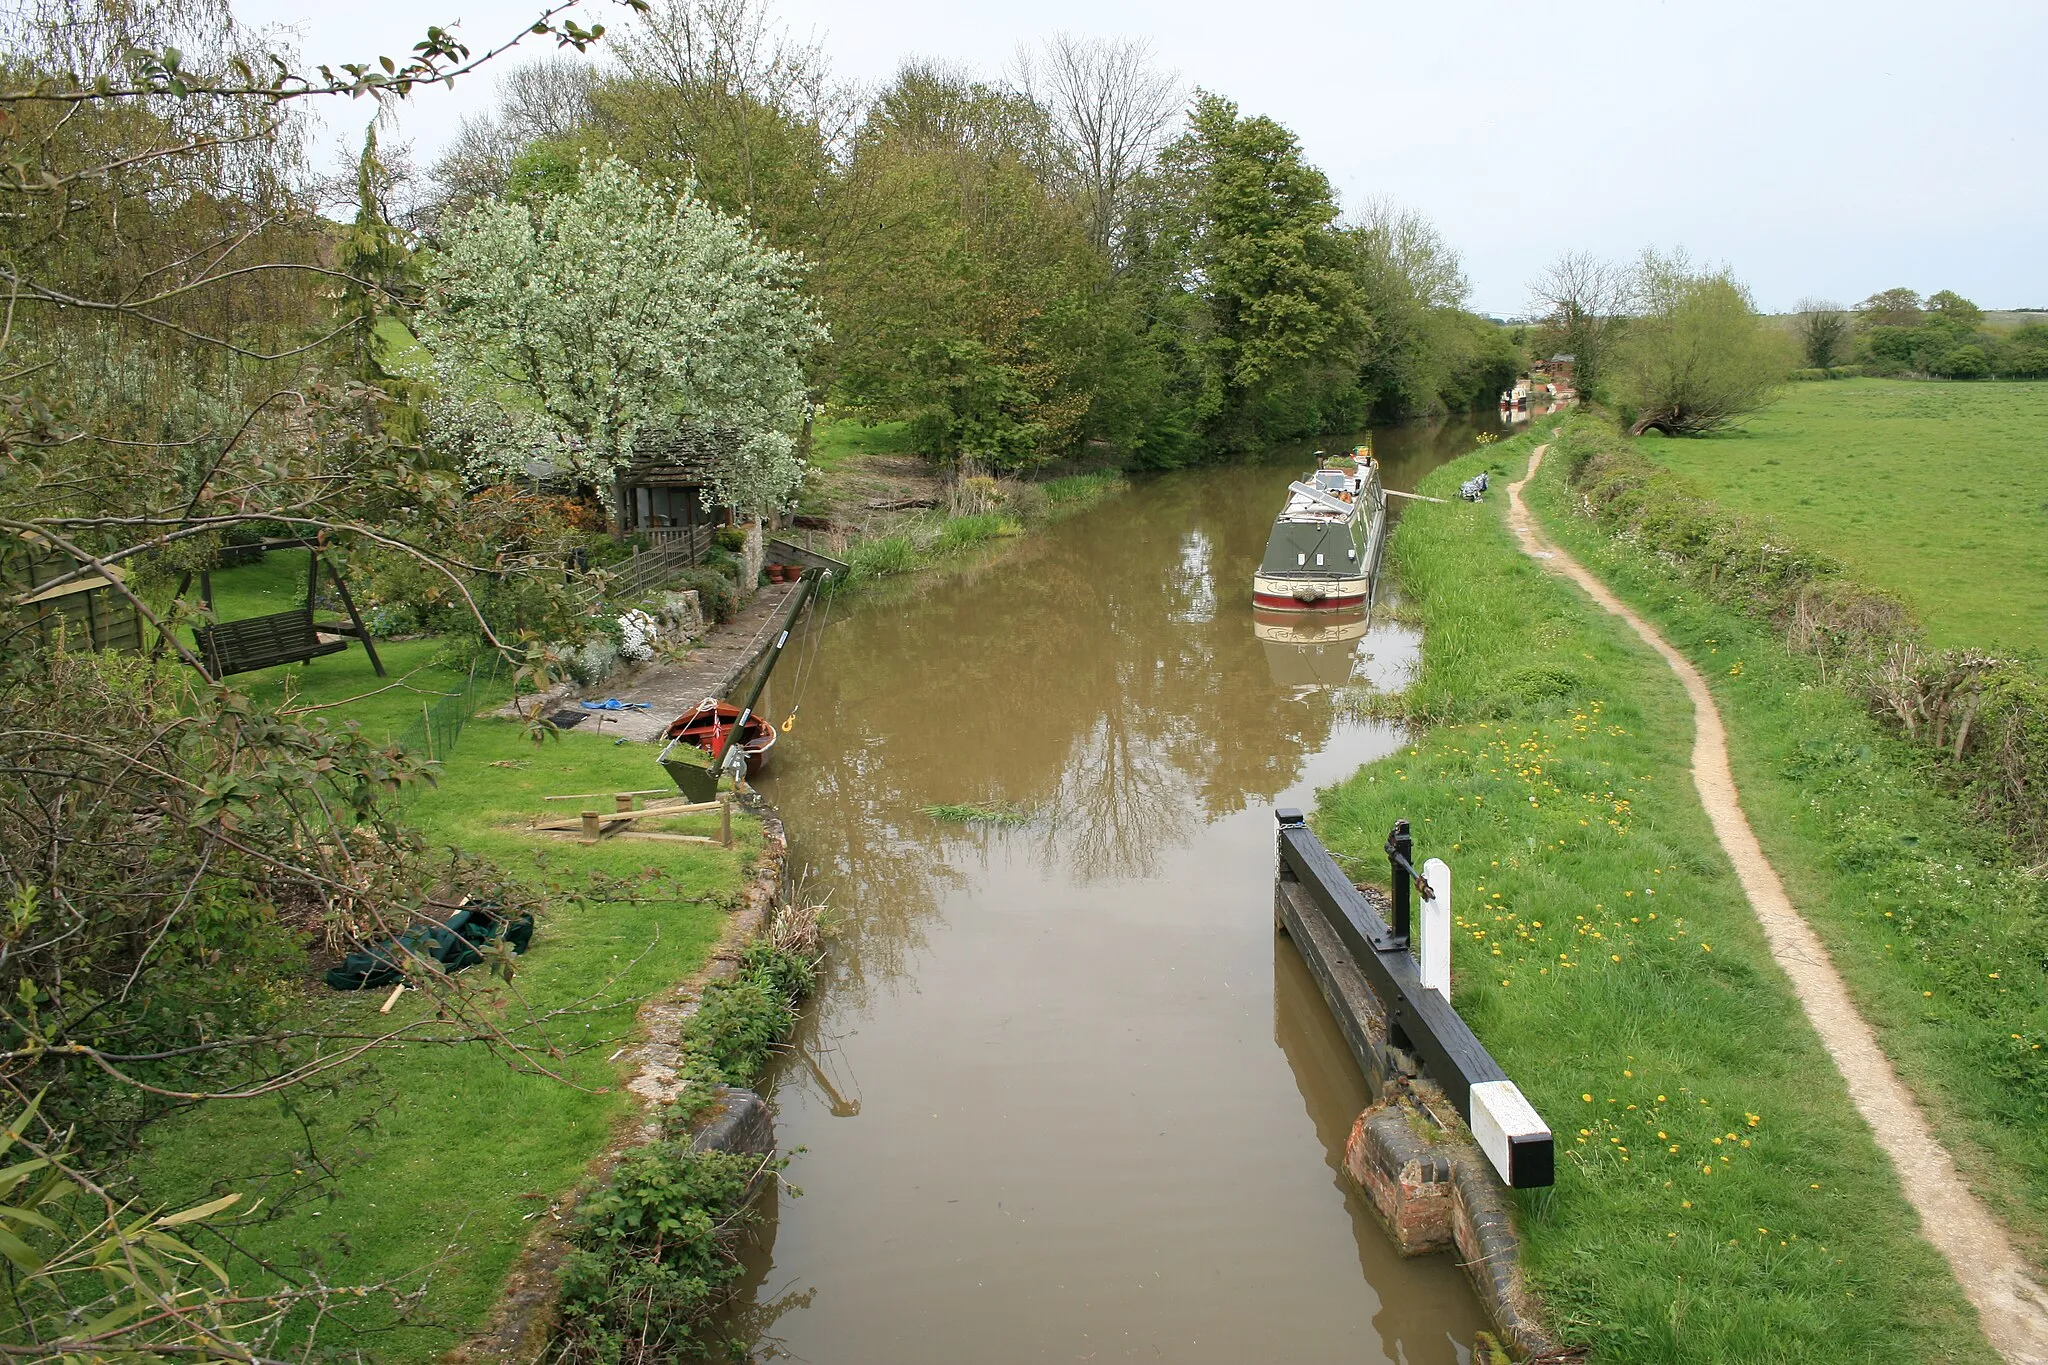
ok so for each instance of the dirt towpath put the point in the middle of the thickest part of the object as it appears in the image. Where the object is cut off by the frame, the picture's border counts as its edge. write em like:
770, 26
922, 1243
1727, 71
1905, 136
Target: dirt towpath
2012, 1308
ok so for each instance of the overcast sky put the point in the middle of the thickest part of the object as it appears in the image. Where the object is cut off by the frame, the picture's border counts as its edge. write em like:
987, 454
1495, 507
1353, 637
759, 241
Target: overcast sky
1828, 149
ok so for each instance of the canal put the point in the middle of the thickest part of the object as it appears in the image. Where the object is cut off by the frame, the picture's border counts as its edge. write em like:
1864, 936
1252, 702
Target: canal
1064, 1094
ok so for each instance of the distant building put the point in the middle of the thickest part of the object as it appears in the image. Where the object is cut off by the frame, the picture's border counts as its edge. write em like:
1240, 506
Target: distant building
1557, 367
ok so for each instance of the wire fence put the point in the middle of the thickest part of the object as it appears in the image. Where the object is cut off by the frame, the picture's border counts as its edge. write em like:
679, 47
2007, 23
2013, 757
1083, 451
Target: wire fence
441, 722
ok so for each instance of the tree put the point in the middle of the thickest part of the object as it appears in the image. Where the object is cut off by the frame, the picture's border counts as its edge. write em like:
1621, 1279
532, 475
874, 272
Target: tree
542, 101
1889, 308
601, 312
1954, 308
1583, 302
1697, 355
1110, 111
1284, 311
1821, 328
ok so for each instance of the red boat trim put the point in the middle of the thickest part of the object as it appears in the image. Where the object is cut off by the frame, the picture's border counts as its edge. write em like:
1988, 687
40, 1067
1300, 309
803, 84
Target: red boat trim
1276, 602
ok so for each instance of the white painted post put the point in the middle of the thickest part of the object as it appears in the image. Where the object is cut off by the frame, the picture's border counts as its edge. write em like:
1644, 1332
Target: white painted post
1433, 947
1512, 1134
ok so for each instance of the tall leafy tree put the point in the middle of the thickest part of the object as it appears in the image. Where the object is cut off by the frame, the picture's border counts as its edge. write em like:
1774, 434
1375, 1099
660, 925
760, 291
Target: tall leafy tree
1285, 313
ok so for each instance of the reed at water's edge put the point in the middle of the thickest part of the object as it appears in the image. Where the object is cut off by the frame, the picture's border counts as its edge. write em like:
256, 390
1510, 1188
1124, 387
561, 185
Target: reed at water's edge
1718, 1199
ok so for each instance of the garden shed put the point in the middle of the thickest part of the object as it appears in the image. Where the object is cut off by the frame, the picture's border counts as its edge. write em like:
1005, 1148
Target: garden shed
88, 610
661, 495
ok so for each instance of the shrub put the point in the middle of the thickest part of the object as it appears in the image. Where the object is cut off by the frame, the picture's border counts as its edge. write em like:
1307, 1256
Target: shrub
730, 539
653, 1252
594, 661
1964, 362
717, 594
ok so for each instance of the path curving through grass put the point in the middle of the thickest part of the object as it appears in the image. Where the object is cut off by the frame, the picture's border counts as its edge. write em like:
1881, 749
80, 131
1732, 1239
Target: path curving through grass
2011, 1307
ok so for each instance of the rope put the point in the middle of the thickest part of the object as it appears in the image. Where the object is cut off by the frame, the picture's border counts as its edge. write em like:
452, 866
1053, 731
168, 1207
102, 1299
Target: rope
807, 663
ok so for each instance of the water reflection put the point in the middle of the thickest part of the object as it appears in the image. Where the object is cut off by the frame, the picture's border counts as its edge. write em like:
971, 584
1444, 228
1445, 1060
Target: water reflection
1050, 1105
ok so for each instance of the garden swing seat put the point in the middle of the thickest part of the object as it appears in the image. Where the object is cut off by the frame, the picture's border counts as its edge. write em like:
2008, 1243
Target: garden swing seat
282, 637
285, 637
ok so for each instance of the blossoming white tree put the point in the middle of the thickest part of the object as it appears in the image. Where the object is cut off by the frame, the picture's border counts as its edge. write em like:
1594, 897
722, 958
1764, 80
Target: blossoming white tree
569, 326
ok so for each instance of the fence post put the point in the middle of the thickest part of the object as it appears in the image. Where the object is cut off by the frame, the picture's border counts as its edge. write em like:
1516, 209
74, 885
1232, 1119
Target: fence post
725, 818
427, 729
1433, 946
1401, 859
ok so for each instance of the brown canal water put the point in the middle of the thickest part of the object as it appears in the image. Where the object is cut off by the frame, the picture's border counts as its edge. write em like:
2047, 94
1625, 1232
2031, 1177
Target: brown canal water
1064, 1094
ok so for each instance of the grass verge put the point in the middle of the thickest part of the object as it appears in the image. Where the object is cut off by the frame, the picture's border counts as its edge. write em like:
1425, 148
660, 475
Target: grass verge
1932, 917
1718, 1199
427, 1169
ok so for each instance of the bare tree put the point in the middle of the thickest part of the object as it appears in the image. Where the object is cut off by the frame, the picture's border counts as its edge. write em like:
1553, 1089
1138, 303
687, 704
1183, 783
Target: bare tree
738, 72
1111, 110
1821, 327
1584, 303
1412, 251
548, 98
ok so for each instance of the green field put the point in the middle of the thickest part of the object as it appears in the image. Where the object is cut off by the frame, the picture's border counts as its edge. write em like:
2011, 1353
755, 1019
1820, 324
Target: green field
835, 440
1936, 491
428, 1167
1718, 1199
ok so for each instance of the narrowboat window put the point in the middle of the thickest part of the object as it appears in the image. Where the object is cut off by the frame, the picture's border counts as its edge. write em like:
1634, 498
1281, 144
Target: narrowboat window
1301, 559
1319, 559
1351, 554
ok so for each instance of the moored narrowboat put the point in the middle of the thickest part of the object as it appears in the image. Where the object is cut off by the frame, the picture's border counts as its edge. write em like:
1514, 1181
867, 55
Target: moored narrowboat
1325, 547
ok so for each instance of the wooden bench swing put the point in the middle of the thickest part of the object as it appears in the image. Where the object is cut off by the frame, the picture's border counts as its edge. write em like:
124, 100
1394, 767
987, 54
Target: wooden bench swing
283, 637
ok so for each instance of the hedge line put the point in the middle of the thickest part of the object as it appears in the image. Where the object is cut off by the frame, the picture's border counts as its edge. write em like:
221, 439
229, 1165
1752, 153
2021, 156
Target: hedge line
1984, 716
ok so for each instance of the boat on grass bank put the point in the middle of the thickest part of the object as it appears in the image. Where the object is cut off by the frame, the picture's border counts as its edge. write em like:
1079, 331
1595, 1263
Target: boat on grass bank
1324, 550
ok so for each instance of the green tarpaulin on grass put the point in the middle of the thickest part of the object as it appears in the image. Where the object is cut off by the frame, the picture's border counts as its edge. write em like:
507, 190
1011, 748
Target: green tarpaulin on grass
454, 945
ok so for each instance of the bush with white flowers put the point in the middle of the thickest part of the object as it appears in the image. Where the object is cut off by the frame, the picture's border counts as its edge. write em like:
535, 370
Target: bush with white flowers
565, 328
638, 634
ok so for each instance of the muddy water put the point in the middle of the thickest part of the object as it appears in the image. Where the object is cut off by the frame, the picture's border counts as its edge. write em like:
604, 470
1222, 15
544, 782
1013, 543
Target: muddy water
1066, 1095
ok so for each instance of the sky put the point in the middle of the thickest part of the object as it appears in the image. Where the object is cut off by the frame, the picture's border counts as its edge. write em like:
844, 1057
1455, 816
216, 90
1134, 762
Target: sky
1819, 149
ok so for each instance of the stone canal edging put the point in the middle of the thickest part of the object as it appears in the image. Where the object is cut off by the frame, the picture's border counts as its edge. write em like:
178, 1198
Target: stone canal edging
522, 1323
1414, 1158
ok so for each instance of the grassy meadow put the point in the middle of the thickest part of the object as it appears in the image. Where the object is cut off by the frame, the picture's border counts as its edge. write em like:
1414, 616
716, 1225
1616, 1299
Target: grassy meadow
1931, 916
1936, 491
1718, 1199
428, 1166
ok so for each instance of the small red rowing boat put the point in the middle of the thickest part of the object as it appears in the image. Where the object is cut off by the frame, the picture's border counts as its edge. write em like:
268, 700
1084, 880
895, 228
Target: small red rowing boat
710, 728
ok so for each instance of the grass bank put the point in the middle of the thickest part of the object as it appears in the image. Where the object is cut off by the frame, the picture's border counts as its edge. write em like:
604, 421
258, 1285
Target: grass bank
1934, 491
1718, 1199
931, 538
1934, 918
426, 1169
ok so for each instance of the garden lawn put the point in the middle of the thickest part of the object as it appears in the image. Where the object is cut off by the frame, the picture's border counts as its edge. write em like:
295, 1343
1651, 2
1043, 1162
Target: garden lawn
1717, 1199
439, 1159
1936, 491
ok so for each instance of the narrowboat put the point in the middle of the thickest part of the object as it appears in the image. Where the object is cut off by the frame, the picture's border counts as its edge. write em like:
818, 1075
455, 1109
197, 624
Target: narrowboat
1325, 546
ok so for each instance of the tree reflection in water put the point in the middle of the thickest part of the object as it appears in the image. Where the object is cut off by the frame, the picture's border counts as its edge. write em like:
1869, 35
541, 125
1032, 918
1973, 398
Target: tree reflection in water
1101, 675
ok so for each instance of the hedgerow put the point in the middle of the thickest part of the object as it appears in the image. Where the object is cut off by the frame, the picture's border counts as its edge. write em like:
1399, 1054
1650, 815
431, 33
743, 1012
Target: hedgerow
1984, 717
